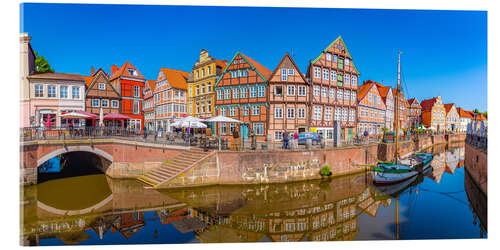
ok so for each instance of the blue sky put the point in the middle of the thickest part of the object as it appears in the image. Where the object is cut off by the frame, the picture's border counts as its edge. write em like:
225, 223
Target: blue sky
444, 52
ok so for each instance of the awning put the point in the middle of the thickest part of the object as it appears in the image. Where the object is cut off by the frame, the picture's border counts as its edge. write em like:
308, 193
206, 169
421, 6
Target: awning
116, 117
74, 115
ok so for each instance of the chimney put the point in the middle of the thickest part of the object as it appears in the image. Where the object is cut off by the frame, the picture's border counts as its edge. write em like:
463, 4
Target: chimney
114, 68
92, 70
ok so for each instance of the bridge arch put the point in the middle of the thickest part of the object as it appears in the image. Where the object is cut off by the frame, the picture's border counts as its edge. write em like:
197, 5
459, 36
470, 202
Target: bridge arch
68, 149
87, 210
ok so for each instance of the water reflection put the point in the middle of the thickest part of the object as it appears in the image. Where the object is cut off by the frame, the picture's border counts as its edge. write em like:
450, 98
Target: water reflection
111, 211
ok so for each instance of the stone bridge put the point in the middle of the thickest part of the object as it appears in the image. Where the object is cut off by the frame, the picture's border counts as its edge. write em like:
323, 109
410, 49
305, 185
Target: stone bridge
118, 158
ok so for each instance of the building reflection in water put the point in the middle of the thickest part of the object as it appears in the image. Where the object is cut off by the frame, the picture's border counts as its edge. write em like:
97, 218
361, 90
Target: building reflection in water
321, 210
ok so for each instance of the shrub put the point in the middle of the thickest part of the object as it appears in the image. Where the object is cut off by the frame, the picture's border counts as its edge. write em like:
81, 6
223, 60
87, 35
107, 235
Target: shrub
325, 171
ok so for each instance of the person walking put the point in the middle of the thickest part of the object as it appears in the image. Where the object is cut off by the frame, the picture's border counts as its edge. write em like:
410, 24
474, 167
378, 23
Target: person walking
295, 140
285, 140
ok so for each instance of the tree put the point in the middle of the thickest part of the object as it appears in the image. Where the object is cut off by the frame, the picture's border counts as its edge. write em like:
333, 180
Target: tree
476, 111
42, 65
485, 114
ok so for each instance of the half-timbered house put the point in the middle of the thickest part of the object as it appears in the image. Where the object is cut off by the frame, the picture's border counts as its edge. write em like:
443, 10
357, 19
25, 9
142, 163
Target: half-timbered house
101, 94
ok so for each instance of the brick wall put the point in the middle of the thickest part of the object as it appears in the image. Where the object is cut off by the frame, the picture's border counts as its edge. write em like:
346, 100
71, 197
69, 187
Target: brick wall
476, 163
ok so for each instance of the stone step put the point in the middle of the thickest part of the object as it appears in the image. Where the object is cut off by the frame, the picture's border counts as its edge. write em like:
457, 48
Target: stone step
147, 181
174, 167
168, 171
159, 174
181, 163
154, 177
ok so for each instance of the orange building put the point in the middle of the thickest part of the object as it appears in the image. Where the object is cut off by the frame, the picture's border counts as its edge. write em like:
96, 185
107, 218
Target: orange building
371, 109
403, 107
170, 97
242, 93
288, 99
334, 83
129, 82
433, 113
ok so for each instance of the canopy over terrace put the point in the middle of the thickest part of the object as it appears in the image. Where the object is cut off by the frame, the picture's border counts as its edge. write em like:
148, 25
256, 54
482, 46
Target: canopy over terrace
79, 114
116, 117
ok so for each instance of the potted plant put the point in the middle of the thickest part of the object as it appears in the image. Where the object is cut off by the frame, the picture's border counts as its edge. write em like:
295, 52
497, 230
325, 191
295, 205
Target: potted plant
325, 171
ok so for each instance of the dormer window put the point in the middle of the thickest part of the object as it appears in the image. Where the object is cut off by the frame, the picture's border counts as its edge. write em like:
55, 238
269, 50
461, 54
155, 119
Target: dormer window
102, 86
132, 72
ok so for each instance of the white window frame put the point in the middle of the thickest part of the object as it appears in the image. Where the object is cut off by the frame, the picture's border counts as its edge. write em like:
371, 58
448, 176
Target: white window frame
243, 92
101, 86
340, 94
290, 90
328, 113
115, 104
65, 96
96, 103
253, 92
255, 110
104, 101
261, 91
301, 113
245, 111
232, 111
136, 107
235, 93
278, 113
302, 91
227, 94
324, 92
284, 74
291, 72
317, 72
39, 90
54, 92
258, 128
290, 113
137, 91
317, 113
328, 56
331, 93
326, 74
317, 90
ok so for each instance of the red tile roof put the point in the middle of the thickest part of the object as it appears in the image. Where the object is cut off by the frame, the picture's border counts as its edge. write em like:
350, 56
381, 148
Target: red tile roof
151, 84
261, 69
122, 71
88, 80
382, 90
412, 100
427, 104
176, 78
463, 113
363, 89
221, 64
448, 107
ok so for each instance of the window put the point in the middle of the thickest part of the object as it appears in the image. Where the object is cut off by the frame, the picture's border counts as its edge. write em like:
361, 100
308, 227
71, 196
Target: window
208, 70
334, 58
114, 103
340, 64
219, 94
132, 72
332, 93
95, 102
301, 113
347, 62
63, 92
235, 93
203, 73
102, 86
227, 94
203, 88
328, 56
278, 113
262, 91
51, 92
353, 96
197, 89
352, 112
290, 113
223, 111
369, 97
340, 94
333, 75
347, 95
344, 114
258, 128
232, 111
104, 103
290, 90
243, 92
223, 128
325, 74
337, 114
317, 72
255, 110
209, 106
284, 75
316, 90
278, 90
346, 78
209, 87
317, 113
137, 91
302, 91
38, 90
253, 92
323, 92
278, 135
136, 107
328, 113
245, 110
291, 72
353, 80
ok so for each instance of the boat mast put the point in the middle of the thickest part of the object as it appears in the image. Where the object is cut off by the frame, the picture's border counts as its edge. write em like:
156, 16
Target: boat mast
396, 111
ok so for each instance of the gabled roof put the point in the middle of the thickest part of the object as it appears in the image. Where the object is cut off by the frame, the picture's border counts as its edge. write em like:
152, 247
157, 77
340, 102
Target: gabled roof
427, 104
220, 63
413, 101
339, 38
176, 78
262, 71
151, 84
448, 107
123, 72
463, 113
288, 57
90, 80
382, 90
363, 90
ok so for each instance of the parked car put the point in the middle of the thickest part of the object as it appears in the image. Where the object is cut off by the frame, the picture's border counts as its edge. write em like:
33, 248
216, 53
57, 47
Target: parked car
315, 137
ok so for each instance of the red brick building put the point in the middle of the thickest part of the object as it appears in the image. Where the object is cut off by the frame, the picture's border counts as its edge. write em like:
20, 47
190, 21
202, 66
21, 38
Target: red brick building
149, 105
242, 93
334, 83
100, 94
371, 109
129, 82
288, 99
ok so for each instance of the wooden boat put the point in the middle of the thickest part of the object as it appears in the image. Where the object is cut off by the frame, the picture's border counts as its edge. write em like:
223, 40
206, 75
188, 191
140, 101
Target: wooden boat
400, 169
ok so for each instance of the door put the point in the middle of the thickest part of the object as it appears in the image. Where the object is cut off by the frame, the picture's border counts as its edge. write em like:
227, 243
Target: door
244, 131
349, 134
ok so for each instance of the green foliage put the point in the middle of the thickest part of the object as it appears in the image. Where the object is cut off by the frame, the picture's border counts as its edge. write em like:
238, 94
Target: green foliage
325, 171
42, 65
485, 114
476, 111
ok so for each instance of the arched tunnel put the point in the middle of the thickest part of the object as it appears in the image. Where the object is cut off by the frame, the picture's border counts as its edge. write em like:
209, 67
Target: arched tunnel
72, 164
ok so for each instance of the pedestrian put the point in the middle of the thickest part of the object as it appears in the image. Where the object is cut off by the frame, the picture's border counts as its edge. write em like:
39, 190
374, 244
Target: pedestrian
295, 140
285, 140
145, 133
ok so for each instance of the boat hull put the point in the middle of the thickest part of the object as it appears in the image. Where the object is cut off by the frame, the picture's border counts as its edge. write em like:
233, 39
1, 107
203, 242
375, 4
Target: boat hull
387, 178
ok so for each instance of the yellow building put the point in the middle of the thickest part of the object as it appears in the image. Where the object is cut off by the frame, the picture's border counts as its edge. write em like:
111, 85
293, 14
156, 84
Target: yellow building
201, 102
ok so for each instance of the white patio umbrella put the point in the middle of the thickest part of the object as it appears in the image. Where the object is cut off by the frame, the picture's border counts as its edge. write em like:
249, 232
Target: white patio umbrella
220, 119
74, 115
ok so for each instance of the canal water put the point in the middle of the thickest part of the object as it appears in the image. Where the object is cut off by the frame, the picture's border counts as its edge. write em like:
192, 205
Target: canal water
94, 210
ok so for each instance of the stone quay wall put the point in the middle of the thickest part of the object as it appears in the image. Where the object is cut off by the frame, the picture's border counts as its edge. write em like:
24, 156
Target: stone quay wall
476, 164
